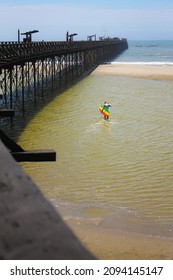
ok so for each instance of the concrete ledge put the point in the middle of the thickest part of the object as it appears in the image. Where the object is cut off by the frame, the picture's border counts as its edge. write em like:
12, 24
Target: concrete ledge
30, 228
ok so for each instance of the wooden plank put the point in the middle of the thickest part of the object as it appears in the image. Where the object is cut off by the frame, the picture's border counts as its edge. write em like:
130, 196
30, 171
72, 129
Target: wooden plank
6, 113
35, 155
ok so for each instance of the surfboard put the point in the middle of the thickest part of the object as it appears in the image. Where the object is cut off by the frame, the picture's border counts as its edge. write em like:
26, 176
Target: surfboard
104, 111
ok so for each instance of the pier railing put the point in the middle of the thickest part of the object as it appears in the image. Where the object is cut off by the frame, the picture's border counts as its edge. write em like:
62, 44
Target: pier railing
12, 53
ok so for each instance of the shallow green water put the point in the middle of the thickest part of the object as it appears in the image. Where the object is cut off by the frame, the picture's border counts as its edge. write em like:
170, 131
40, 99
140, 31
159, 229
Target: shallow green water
119, 170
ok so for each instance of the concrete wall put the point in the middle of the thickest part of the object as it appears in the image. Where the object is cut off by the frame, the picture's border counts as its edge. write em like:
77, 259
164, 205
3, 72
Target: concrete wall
30, 228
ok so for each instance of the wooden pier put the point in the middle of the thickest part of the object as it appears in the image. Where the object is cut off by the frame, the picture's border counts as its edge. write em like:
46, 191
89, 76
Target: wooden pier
31, 70
28, 69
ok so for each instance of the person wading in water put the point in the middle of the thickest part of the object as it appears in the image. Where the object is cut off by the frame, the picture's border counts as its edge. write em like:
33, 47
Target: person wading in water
106, 107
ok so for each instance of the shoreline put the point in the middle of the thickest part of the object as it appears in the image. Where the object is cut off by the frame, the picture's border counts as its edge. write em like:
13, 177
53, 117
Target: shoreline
115, 238
109, 244
156, 72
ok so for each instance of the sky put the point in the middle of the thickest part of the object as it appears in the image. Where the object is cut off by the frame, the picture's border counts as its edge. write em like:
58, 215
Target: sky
131, 19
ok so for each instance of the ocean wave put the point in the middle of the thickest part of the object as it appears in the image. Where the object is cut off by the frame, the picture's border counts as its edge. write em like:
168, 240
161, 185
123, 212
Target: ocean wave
154, 63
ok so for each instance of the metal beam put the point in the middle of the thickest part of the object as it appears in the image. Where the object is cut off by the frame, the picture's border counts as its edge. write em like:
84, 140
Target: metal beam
6, 113
21, 155
35, 155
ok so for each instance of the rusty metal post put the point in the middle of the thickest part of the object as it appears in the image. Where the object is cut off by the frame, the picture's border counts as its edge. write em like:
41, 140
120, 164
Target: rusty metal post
60, 71
52, 74
16, 75
23, 90
66, 69
42, 79
11, 91
34, 68
5, 87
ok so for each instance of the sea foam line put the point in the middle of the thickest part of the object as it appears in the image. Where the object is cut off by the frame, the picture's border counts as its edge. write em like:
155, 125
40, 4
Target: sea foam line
143, 63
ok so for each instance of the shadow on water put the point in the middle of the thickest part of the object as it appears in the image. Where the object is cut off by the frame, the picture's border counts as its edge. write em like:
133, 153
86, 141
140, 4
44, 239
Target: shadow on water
14, 126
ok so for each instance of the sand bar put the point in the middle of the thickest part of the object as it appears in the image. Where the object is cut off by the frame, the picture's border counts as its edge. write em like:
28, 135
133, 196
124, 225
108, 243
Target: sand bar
157, 72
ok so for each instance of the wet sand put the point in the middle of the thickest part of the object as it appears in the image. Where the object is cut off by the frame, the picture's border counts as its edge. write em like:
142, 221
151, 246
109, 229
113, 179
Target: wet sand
135, 71
108, 244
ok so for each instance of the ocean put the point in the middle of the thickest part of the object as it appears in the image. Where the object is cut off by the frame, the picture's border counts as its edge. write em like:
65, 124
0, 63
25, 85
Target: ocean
147, 53
116, 173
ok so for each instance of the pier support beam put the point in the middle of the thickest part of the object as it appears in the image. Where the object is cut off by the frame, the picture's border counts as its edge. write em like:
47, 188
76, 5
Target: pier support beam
26, 70
21, 155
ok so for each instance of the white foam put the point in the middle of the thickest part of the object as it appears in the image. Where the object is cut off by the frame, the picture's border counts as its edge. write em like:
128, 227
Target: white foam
154, 63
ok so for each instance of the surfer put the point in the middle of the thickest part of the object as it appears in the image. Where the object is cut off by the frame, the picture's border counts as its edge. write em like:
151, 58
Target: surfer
106, 107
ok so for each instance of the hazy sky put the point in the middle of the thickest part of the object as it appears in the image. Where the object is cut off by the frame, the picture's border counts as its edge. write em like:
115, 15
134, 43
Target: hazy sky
133, 19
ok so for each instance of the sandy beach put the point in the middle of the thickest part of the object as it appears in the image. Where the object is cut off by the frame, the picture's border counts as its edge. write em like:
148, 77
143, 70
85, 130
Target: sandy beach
108, 244
135, 71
